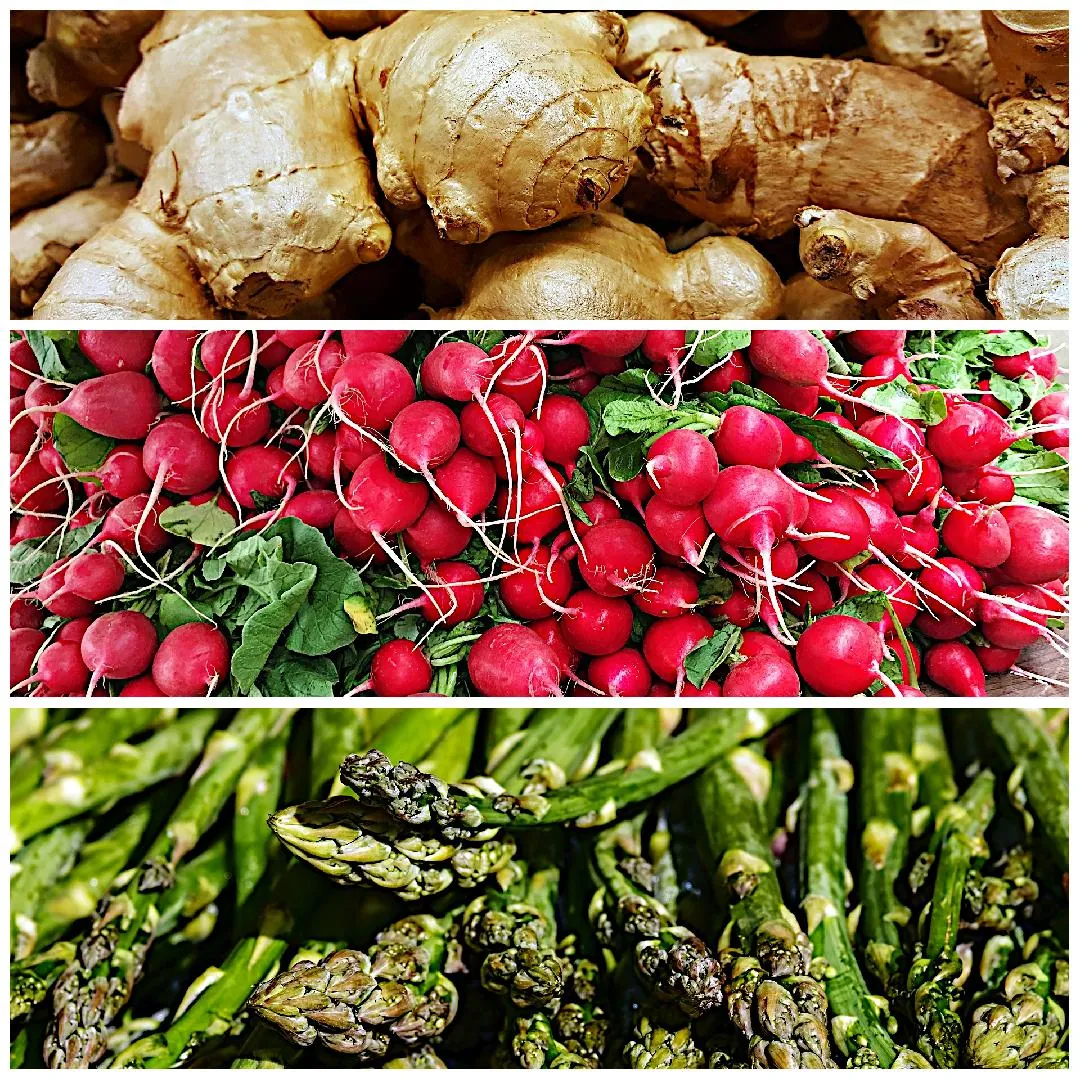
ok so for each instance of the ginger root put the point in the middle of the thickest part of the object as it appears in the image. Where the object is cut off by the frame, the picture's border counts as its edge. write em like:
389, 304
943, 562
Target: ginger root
1048, 201
85, 51
745, 141
948, 47
43, 239
499, 121
598, 266
353, 22
900, 270
257, 185
1030, 53
805, 298
653, 31
53, 156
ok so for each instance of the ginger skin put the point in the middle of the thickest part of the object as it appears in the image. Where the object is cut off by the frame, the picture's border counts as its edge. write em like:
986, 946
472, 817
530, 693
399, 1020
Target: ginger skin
900, 270
598, 266
499, 121
52, 157
805, 298
257, 191
745, 141
42, 240
353, 22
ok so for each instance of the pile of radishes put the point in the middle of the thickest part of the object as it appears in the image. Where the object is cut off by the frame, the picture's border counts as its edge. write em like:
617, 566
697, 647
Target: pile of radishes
455, 471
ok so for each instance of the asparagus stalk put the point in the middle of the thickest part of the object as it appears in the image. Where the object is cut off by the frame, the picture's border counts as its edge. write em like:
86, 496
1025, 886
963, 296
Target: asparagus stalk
94, 989
767, 986
858, 1025
124, 771
887, 788
215, 999
656, 1046
337, 732
26, 725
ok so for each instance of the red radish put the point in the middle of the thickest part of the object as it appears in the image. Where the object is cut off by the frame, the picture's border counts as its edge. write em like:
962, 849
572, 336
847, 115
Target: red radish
489, 429
793, 356
117, 350
272, 351
122, 474
119, 645
670, 592
74, 629
754, 643
23, 431
32, 526
41, 400
599, 510
24, 613
747, 436
57, 599
550, 634
61, 671
226, 353
51, 460
352, 540
636, 492
275, 389
836, 530
836, 419
541, 512
978, 534
293, 339
369, 341
180, 457
604, 342
800, 399
1040, 545
953, 585
986, 485
817, 601
24, 645
315, 508
351, 447
969, 436
436, 534
456, 595
524, 589
235, 416
381, 502
839, 655
1012, 626
34, 490
121, 406
1057, 438
677, 530
319, 453
596, 625
1040, 362
664, 349
143, 686
886, 529
733, 369
122, 526
521, 370
901, 592
191, 661
425, 434
457, 371
682, 467
468, 481
987, 398
265, 471
310, 370
873, 342
763, 675
565, 425
174, 367
994, 660
667, 644
371, 388
400, 669
920, 535
709, 688
883, 368
955, 667
738, 609
24, 367
945, 627
616, 558
510, 660
902, 437
621, 674
1055, 404
94, 575
913, 489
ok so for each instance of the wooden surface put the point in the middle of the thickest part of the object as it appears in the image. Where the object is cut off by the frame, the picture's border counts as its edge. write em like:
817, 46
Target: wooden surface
1041, 659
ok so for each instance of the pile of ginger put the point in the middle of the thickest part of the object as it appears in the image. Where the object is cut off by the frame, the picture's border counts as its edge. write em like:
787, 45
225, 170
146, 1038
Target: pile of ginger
513, 165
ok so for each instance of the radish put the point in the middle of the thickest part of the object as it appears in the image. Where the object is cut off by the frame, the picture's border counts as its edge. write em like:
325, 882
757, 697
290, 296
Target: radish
122, 474
371, 388
913, 489
670, 592
520, 371
399, 669
310, 370
1040, 362
636, 492
315, 508
950, 587
118, 350
35, 490
354, 542
94, 575
456, 596
382, 503
59, 600
537, 586
1055, 404
994, 660
320, 451
457, 371
886, 529
667, 644
988, 484
32, 526
24, 645
143, 686
764, 675
22, 432
226, 354
620, 674
616, 558
24, 367
191, 661
795, 357
604, 342
747, 436
733, 369
361, 341
754, 643
565, 426
800, 399
488, 429
901, 591
835, 530
61, 671
436, 534
41, 400
173, 364
1040, 545
235, 416
813, 599
677, 530
468, 481
1058, 437
352, 446
74, 629
969, 436
596, 625
424, 435
1012, 625
541, 511
263, 471
899, 436
510, 660
682, 467
120, 645
978, 534
179, 457
551, 634
956, 668
130, 525
120, 406
709, 688
25, 613
945, 627
839, 655
873, 342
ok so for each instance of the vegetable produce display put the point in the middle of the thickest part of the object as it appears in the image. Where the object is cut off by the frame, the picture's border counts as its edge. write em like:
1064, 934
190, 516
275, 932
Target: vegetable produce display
547, 165
596, 512
541, 888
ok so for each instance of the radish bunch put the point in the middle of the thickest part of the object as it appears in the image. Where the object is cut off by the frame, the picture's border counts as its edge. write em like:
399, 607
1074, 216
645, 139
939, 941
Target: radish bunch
615, 512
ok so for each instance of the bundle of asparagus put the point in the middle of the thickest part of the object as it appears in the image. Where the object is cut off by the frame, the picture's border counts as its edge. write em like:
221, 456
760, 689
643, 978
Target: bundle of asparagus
595, 887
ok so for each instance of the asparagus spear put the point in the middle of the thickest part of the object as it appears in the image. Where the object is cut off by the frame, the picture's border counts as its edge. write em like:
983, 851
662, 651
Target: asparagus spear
656, 1046
858, 1025
937, 787
124, 771
887, 787
770, 993
26, 724
958, 842
1038, 767
95, 988
213, 1002
337, 732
